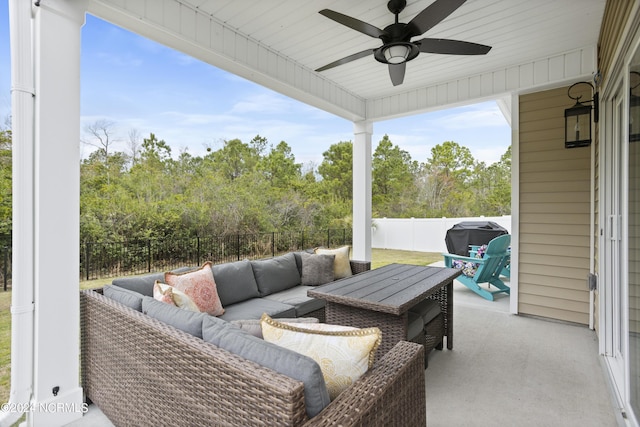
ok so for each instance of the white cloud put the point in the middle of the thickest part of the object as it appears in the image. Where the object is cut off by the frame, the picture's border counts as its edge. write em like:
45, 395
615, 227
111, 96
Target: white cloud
481, 116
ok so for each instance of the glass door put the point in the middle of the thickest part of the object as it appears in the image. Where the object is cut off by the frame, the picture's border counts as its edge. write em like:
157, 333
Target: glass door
612, 292
633, 227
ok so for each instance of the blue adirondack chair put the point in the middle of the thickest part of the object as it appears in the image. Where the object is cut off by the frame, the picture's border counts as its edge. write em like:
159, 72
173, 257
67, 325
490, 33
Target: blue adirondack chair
487, 269
473, 252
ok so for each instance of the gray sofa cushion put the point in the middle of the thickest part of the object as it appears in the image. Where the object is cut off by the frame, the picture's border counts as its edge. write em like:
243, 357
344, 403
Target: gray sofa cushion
254, 307
286, 362
144, 284
188, 321
235, 282
125, 296
276, 274
141, 284
297, 297
316, 269
254, 326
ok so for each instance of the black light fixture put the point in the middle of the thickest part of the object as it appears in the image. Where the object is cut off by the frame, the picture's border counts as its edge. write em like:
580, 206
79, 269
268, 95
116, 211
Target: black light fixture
634, 107
577, 119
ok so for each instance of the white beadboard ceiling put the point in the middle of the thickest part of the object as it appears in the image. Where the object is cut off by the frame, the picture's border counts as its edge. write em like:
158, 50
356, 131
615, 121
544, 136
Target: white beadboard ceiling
279, 44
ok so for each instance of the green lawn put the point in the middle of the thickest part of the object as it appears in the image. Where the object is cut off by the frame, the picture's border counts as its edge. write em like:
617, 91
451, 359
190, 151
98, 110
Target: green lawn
379, 258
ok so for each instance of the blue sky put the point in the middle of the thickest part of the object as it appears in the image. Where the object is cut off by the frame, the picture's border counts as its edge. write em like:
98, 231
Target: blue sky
139, 84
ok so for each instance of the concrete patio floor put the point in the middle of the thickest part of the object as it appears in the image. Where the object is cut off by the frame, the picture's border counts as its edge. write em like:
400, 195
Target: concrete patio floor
507, 370
510, 370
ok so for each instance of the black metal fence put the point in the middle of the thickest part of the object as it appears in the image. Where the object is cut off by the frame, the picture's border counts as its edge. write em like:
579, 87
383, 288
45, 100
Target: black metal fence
112, 259
5, 263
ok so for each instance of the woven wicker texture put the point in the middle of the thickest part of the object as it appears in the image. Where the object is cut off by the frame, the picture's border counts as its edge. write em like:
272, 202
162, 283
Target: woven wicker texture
141, 372
381, 298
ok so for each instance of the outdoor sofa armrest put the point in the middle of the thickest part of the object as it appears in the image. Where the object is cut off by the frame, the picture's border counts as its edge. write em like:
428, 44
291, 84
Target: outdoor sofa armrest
391, 393
359, 266
140, 371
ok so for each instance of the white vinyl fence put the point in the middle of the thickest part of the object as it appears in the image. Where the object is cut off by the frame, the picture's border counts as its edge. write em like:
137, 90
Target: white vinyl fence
420, 234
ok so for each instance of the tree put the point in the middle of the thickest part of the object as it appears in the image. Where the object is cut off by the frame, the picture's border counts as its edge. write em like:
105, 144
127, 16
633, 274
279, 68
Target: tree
235, 158
280, 167
6, 189
336, 170
133, 143
100, 136
492, 187
393, 173
444, 181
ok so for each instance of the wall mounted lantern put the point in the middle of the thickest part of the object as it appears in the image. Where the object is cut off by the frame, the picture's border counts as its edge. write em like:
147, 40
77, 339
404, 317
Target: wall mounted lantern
577, 119
634, 108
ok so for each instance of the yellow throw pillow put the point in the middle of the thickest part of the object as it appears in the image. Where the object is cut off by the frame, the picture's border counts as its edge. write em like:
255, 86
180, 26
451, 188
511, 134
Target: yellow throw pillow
341, 264
170, 295
343, 353
199, 286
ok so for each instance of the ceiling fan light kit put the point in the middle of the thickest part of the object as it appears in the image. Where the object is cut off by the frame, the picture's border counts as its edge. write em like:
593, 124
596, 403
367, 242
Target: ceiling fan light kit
396, 53
397, 48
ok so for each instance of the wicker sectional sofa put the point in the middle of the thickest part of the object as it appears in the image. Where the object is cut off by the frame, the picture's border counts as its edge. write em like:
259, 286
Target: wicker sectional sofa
140, 370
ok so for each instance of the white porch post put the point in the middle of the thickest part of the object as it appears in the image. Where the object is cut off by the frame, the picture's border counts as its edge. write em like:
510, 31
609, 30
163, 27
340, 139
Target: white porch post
362, 190
57, 394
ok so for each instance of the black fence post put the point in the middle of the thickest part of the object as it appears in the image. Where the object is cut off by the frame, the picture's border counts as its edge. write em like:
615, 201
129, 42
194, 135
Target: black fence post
238, 248
148, 255
5, 267
198, 250
344, 236
273, 243
87, 262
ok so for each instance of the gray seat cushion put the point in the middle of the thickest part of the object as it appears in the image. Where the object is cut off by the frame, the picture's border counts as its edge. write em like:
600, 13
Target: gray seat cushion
235, 282
125, 296
282, 360
276, 274
254, 326
188, 321
255, 307
297, 297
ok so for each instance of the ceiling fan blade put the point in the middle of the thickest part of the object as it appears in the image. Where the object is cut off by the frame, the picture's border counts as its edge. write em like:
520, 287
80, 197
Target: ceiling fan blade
353, 23
431, 16
347, 59
451, 47
396, 72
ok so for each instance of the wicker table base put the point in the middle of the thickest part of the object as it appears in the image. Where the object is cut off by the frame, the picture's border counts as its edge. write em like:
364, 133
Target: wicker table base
382, 298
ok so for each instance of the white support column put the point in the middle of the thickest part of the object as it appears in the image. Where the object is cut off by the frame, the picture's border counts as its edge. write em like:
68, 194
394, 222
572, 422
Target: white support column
515, 202
362, 190
57, 395
22, 105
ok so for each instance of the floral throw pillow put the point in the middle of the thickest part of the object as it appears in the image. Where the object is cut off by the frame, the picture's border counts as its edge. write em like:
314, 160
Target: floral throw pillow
468, 268
199, 286
170, 295
343, 353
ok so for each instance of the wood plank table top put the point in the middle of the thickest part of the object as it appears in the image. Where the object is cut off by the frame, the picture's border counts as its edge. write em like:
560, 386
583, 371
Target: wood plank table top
393, 289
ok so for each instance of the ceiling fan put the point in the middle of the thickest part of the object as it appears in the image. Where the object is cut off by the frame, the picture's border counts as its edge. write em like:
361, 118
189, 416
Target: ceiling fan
397, 48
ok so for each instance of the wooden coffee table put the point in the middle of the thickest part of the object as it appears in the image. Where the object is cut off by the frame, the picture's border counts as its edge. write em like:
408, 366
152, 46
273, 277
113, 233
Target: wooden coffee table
382, 298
